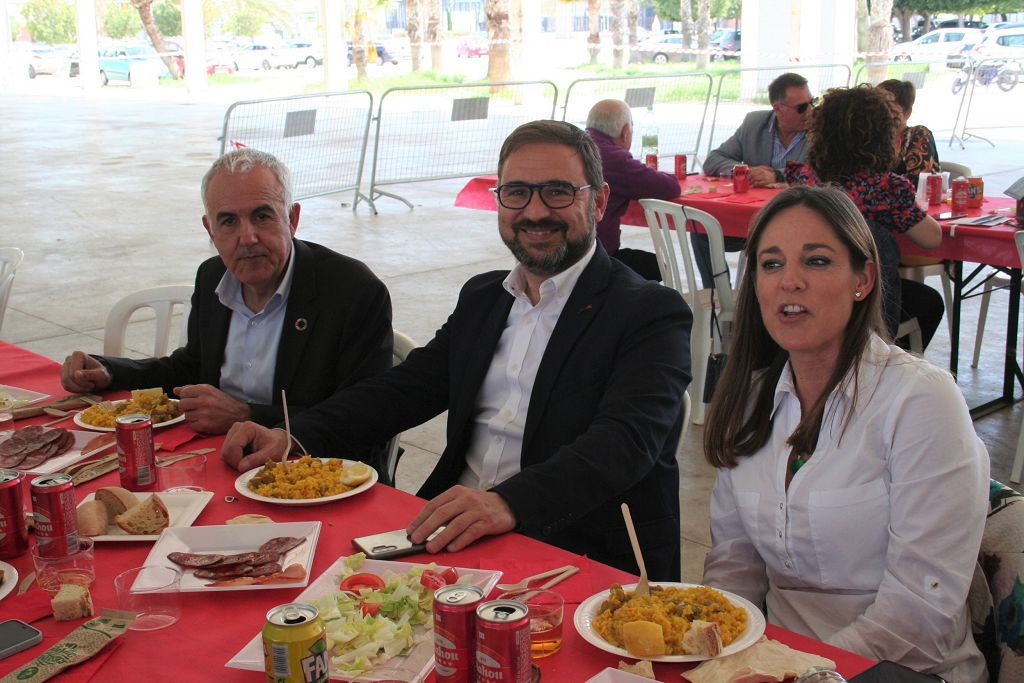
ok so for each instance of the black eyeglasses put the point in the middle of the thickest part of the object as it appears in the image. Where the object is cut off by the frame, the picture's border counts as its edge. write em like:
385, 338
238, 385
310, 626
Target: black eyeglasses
555, 195
802, 107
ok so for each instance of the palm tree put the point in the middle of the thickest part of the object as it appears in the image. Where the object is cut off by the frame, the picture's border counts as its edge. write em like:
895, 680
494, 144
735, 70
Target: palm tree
434, 33
145, 10
412, 27
593, 23
499, 67
703, 32
618, 9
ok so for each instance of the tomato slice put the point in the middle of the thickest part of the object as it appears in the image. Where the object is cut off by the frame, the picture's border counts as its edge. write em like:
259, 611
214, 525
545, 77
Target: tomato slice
356, 581
432, 580
450, 575
369, 609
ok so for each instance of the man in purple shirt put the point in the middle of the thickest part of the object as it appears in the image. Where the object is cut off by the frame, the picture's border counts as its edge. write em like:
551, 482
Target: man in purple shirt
610, 124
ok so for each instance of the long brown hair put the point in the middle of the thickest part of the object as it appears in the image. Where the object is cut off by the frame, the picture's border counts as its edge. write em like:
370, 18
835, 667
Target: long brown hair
853, 129
737, 426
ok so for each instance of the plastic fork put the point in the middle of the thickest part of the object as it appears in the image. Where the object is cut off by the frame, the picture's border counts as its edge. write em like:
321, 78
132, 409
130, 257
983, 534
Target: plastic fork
525, 583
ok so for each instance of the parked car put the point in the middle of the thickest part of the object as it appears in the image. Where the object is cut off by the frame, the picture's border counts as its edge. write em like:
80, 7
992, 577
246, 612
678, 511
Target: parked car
300, 53
724, 41
397, 46
935, 46
660, 50
383, 56
54, 60
261, 56
1003, 42
476, 45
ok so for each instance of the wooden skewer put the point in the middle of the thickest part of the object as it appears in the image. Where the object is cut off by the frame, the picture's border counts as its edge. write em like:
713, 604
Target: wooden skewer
287, 431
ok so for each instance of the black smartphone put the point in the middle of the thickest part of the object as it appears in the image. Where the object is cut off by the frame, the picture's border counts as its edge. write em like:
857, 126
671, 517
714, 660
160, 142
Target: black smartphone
949, 215
16, 635
390, 544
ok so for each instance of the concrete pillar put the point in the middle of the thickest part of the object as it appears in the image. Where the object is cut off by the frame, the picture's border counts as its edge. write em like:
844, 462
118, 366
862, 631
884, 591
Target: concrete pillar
335, 52
88, 60
193, 30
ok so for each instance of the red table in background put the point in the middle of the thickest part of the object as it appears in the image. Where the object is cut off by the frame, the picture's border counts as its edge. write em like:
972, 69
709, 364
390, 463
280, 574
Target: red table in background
214, 627
988, 246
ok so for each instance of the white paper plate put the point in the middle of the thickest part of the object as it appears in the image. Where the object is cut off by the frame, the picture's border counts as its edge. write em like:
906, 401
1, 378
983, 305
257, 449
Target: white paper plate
183, 509
26, 397
420, 659
243, 479
229, 539
10, 579
82, 423
610, 675
69, 457
588, 609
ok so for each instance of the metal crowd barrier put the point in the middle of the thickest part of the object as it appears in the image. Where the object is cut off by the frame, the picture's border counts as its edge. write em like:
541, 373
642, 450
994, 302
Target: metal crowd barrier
1001, 95
676, 104
321, 138
750, 85
436, 132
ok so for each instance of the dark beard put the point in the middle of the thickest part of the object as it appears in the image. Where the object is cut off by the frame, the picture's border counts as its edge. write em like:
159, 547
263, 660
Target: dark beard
568, 253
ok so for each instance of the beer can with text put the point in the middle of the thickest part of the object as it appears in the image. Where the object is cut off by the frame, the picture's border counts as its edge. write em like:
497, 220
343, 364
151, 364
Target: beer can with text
958, 191
975, 192
455, 632
652, 161
295, 645
934, 189
740, 178
53, 510
136, 460
681, 166
13, 529
503, 642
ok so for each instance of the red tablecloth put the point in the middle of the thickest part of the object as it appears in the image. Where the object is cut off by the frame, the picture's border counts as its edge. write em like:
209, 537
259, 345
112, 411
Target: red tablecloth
215, 626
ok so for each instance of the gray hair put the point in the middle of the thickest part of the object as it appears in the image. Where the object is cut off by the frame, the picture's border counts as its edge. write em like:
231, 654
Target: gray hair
777, 88
244, 160
609, 117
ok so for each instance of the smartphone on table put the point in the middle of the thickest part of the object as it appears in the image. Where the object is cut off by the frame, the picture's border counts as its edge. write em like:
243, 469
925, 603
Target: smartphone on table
391, 544
948, 216
16, 635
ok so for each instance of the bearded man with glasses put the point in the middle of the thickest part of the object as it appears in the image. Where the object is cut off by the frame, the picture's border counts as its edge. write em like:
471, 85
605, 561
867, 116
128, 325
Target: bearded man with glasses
563, 380
766, 141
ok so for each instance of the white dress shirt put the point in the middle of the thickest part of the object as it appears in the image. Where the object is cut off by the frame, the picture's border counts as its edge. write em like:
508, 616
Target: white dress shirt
497, 444
250, 352
873, 546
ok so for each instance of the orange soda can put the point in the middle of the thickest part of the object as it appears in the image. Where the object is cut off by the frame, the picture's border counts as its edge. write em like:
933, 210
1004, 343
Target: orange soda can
975, 192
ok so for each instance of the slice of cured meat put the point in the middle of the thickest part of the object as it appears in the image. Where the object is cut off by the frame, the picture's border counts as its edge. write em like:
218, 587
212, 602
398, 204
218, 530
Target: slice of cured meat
55, 442
194, 559
12, 456
281, 544
238, 558
222, 572
265, 569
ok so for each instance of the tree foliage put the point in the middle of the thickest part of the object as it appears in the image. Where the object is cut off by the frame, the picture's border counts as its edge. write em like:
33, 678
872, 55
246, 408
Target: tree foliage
168, 18
50, 21
121, 21
246, 23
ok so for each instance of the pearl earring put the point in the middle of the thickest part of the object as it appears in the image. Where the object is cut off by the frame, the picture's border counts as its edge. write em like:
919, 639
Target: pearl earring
858, 294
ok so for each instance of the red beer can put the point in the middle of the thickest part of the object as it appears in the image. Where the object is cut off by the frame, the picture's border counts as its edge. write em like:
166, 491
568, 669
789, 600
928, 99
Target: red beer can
652, 161
740, 178
681, 166
934, 189
455, 632
13, 529
503, 642
975, 192
136, 461
958, 189
53, 509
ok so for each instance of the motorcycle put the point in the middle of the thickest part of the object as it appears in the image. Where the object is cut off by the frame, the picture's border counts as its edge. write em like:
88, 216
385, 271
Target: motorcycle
1004, 74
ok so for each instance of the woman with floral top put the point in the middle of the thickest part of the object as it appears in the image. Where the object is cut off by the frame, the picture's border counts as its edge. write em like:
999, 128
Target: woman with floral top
917, 144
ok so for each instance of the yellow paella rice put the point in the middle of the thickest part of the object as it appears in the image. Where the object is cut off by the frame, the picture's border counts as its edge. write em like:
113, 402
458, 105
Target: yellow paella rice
673, 609
306, 478
160, 409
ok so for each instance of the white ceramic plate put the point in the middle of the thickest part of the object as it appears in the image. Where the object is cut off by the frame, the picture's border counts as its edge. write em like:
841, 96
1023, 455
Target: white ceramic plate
229, 539
420, 659
183, 509
10, 579
82, 423
243, 480
588, 609
24, 397
69, 457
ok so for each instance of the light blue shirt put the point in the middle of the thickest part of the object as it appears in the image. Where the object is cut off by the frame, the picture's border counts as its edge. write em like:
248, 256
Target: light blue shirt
781, 154
250, 354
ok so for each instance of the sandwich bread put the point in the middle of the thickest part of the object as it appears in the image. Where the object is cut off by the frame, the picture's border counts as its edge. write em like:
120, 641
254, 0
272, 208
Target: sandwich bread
72, 601
147, 518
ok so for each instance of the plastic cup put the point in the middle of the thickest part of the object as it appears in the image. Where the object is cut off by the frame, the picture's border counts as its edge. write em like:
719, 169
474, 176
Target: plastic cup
77, 567
546, 609
182, 476
152, 593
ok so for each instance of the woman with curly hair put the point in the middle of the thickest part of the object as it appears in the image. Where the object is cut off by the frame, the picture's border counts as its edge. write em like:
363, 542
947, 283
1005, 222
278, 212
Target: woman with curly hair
852, 488
917, 144
852, 142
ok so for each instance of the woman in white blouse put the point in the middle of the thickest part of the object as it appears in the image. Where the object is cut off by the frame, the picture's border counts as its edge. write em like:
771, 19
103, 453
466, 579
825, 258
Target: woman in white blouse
852, 488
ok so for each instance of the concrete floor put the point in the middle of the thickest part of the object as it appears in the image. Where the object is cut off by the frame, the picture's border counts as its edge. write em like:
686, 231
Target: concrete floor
102, 193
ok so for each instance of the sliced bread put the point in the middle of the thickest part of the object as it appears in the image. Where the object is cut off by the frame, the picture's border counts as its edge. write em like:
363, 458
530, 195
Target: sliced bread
147, 518
116, 500
93, 518
72, 601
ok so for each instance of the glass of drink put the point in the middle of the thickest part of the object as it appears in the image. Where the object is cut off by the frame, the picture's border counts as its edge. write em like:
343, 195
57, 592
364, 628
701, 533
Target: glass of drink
182, 476
152, 593
546, 609
77, 567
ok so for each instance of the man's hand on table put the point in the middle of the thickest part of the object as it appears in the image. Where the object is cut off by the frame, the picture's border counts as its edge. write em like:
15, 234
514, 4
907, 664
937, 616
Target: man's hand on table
209, 410
469, 514
81, 373
264, 445
761, 176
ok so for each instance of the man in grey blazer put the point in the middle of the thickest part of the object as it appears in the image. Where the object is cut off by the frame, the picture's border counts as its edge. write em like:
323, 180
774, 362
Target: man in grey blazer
765, 141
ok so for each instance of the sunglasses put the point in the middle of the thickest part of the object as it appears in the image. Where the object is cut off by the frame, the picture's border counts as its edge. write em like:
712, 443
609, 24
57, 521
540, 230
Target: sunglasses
803, 106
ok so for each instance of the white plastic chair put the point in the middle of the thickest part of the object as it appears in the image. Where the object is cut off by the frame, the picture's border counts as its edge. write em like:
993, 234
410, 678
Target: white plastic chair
955, 170
162, 300
403, 346
10, 259
664, 219
1018, 459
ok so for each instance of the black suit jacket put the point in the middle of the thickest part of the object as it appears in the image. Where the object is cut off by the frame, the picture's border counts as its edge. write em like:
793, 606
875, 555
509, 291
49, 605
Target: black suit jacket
603, 420
345, 337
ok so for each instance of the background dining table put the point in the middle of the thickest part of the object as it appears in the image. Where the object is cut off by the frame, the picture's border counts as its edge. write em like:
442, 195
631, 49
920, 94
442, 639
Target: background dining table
214, 626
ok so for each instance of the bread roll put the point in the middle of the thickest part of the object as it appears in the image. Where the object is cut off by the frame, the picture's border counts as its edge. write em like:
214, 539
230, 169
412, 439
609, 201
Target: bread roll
116, 500
643, 638
92, 518
72, 601
153, 394
147, 518
703, 638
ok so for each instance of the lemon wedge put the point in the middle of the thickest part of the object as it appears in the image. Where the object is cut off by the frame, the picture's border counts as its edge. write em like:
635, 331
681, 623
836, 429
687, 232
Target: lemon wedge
356, 474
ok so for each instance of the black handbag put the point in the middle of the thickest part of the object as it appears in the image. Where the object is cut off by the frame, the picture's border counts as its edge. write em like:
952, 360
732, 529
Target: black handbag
716, 361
